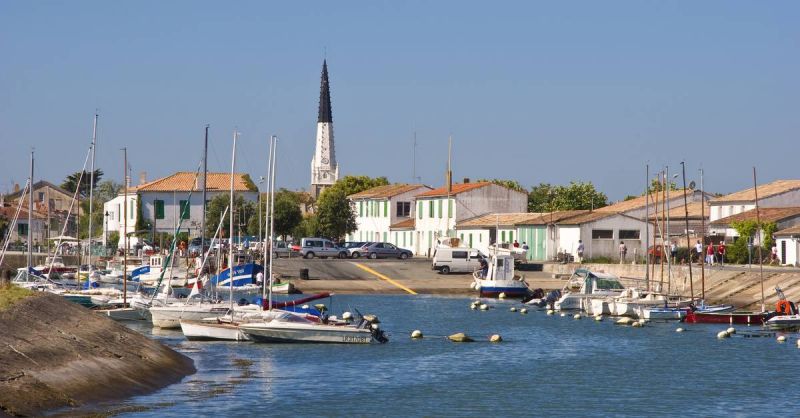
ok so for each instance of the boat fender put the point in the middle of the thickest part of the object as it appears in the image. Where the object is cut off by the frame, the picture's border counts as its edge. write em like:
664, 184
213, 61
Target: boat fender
502, 295
679, 330
347, 316
563, 314
576, 316
550, 312
598, 318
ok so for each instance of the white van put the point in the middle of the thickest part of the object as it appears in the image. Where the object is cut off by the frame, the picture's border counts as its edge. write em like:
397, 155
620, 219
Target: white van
460, 260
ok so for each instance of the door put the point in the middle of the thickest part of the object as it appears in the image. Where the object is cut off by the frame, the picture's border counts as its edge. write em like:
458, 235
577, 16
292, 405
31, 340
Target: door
390, 250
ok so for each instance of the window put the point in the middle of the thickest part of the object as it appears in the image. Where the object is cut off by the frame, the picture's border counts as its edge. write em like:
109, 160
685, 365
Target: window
361, 209
41, 196
628, 234
450, 203
386, 209
440, 209
22, 229
159, 208
132, 210
419, 210
503, 236
602, 234
460, 254
403, 209
389, 246
384, 237
430, 208
185, 209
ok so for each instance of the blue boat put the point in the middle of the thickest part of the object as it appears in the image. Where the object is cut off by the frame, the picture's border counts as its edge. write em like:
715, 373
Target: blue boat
499, 278
243, 275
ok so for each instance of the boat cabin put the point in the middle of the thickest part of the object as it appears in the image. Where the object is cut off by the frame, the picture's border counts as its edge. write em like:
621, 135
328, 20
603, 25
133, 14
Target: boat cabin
593, 283
501, 267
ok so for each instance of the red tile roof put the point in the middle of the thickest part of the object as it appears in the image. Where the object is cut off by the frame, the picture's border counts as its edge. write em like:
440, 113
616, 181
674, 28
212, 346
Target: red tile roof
765, 190
184, 181
766, 215
387, 191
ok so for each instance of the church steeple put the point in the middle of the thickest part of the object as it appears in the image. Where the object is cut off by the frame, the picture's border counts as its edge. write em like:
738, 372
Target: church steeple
325, 114
324, 169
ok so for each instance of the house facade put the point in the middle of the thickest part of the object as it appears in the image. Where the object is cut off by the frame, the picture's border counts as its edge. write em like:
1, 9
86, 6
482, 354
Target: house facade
378, 208
439, 210
53, 203
788, 243
19, 231
602, 232
779, 193
783, 217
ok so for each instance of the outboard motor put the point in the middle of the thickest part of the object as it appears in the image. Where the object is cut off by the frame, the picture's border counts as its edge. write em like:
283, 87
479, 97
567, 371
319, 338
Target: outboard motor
552, 297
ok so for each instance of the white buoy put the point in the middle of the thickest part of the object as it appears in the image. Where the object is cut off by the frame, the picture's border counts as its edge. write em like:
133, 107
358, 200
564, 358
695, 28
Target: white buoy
416, 334
723, 334
598, 318
637, 324
496, 338
679, 330
473, 306
781, 338
798, 343
641, 322
731, 330
576, 316
513, 309
502, 295
551, 312
484, 307
347, 316
563, 314
523, 311
624, 321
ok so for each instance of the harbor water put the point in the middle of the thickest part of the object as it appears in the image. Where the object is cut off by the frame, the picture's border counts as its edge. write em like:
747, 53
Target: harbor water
546, 365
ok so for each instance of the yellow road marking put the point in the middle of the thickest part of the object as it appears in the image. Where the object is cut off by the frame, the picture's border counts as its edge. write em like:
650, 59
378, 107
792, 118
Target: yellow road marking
382, 277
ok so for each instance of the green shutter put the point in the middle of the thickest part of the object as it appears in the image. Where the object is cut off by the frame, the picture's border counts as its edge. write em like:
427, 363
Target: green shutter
384, 237
159, 208
22, 229
470, 240
361, 209
510, 236
450, 208
502, 237
385, 209
185, 209
419, 209
440, 209
430, 209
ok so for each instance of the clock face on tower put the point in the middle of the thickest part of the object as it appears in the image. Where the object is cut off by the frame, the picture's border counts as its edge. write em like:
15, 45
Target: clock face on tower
324, 160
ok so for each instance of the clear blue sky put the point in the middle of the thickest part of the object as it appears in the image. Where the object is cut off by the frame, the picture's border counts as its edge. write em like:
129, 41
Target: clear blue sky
531, 91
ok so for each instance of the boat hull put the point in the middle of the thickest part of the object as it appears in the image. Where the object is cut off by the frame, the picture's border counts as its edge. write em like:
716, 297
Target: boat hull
294, 333
169, 317
125, 314
205, 331
744, 318
784, 322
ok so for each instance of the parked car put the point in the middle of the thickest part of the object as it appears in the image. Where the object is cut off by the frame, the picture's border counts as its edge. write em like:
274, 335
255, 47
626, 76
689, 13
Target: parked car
281, 248
385, 250
456, 260
321, 247
355, 249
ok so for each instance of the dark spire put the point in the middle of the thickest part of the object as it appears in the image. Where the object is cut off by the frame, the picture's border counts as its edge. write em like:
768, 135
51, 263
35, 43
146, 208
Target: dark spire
325, 114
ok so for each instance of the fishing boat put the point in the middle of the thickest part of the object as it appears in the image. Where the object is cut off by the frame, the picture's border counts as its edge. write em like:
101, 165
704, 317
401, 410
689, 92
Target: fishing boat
287, 327
499, 277
584, 286
735, 317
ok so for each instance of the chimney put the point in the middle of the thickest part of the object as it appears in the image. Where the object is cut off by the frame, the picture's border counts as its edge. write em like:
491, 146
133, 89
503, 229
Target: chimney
466, 180
16, 187
142, 178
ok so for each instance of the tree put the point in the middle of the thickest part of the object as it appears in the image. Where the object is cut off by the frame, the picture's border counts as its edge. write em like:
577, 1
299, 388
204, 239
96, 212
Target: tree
656, 186
335, 215
71, 182
308, 227
354, 184
575, 196
3, 226
107, 190
738, 252
217, 205
511, 184
287, 213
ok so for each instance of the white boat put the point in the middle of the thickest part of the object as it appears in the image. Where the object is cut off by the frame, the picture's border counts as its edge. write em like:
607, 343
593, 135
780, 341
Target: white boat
584, 286
170, 316
499, 278
662, 313
784, 322
631, 301
216, 329
125, 314
290, 328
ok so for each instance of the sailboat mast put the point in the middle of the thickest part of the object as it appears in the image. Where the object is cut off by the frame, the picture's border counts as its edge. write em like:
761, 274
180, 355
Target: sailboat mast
91, 188
272, 213
664, 231
230, 226
647, 226
267, 245
688, 240
449, 181
205, 178
30, 217
703, 241
668, 182
125, 228
760, 240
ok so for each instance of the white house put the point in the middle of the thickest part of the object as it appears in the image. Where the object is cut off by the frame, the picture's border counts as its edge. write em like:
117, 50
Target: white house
779, 193
167, 200
782, 217
401, 234
378, 208
788, 242
439, 210
114, 217
639, 207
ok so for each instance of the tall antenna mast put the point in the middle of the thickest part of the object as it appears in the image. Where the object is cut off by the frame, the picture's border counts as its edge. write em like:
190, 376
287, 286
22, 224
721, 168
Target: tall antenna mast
30, 218
205, 178
760, 240
124, 230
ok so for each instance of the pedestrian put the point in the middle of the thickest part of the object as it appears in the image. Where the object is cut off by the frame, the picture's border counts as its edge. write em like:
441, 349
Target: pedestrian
516, 244
580, 252
721, 253
698, 249
623, 251
525, 246
673, 251
259, 278
710, 254
774, 256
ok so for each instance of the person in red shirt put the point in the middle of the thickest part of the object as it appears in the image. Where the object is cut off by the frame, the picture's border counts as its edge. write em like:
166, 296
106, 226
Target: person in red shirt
710, 254
721, 253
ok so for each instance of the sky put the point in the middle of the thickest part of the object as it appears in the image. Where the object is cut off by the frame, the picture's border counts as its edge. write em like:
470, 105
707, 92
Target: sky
531, 91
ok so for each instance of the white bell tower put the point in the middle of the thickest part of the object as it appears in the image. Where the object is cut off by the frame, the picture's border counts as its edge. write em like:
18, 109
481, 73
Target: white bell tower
324, 169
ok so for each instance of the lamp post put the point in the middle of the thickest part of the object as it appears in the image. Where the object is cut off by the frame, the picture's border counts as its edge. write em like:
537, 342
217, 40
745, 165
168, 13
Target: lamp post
260, 181
105, 231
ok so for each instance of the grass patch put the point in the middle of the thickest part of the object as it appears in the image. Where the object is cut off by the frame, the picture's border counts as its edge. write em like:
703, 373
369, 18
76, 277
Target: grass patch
10, 294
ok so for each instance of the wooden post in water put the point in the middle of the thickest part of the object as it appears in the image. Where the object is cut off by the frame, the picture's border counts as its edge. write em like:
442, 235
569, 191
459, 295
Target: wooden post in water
760, 241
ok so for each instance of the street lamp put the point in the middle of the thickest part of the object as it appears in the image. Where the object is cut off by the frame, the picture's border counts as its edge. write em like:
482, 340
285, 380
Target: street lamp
260, 181
105, 231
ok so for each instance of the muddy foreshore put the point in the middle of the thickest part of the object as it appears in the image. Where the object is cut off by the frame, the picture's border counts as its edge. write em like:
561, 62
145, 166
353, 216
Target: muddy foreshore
56, 354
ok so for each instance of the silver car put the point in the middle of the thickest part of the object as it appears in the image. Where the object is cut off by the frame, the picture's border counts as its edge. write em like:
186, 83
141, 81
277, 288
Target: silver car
321, 247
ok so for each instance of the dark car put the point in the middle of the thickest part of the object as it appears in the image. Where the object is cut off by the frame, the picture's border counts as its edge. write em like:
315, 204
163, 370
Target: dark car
384, 250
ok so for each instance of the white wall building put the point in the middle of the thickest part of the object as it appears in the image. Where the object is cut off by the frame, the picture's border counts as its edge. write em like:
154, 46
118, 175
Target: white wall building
601, 233
782, 217
788, 242
114, 217
779, 193
165, 201
439, 210
378, 208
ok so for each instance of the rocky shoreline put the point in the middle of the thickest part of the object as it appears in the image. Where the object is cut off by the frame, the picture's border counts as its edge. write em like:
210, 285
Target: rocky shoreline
56, 354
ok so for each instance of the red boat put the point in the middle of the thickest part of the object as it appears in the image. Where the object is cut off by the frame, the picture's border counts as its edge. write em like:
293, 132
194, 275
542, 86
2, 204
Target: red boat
745, 318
